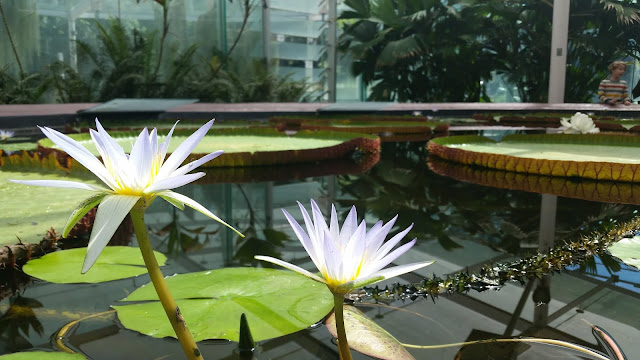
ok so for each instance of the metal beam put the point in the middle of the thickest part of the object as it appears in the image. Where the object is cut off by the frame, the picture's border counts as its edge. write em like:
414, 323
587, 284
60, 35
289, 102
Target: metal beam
558, 62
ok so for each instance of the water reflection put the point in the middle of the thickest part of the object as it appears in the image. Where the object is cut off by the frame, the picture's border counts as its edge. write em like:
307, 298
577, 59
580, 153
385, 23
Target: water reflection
460, 224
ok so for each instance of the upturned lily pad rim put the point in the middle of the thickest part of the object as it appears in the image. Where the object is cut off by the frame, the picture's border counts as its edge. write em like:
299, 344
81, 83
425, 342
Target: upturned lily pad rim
584, 189
259, 131
451, 149
345, 143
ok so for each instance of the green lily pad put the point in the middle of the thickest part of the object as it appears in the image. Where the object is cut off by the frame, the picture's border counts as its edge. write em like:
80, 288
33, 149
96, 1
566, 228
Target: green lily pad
114, 263
367, 337
18, 143
42, 355
591, 156
29, 211
252, 146
627, 250
276, 303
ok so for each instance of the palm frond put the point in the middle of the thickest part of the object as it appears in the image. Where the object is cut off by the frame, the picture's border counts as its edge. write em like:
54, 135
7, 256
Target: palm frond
626, 14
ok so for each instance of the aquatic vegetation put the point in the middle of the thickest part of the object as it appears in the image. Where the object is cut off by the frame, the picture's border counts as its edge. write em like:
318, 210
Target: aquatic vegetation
248, 146
601, 157
347, 257
579, 123
134, 180
6, 135
140, 176
521, 271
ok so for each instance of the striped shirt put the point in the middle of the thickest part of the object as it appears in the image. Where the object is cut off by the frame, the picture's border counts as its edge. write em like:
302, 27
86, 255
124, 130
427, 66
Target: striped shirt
613, 90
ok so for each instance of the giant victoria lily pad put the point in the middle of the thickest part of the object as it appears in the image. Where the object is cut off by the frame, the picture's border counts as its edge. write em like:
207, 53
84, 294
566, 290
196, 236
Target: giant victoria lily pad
29, 211
275, 302
250, 146
591, 156
585, 189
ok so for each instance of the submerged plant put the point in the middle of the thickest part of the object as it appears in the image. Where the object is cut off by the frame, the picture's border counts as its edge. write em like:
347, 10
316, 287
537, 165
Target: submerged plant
348, 257
133, 181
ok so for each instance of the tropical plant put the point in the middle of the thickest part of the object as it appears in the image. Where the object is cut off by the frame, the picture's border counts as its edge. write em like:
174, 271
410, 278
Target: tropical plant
22, 89
416, 50
423, 50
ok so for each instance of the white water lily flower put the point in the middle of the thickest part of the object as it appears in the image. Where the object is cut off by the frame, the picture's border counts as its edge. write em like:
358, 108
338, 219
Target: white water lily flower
348, 257
6, 135
579, 124
141, 175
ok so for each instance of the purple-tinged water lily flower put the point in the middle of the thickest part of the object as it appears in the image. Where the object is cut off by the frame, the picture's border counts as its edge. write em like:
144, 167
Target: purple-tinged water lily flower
349, 257
141, 175
579, 124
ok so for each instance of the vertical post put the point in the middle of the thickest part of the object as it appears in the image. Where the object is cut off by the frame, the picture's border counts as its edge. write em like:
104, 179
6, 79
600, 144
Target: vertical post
332, 58
266, 32
558, 63
73, 35
268, 204
546, 238
222, 24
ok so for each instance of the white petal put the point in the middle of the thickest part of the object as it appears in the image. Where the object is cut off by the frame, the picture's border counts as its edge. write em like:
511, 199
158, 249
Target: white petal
311, 230
375, 266
314, 253
381, 275
349, 226
352, 253
196, 206
80, 153
195, 164
334, 227
114, 158
319, 224
110, 214
164, 146
60, 184
184, 150
172, 182
290, 266
333, 261
384, 249
376, 236
400, 269
141, 159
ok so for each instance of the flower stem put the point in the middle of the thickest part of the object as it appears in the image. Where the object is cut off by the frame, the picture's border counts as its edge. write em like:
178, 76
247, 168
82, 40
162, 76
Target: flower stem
189, 346
343, 344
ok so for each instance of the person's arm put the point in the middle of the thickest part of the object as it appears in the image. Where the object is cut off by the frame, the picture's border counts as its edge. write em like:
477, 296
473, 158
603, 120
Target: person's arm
625, 96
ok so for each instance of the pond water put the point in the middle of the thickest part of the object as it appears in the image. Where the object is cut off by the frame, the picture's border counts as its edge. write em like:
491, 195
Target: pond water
460, 224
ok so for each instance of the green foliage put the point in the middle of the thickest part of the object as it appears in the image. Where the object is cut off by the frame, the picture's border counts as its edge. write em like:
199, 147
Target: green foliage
426, 50
416, 50
114, 263
275, 303
27, 89
124, 64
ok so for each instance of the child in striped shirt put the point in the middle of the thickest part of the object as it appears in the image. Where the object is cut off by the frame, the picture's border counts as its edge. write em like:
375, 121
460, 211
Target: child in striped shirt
614, 90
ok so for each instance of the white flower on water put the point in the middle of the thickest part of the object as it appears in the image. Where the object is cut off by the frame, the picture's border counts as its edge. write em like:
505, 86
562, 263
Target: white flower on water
579, 124
348, 257
141, 175
6, 135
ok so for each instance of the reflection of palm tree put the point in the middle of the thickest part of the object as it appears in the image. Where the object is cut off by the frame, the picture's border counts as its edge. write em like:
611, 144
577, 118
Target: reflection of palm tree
20, 317
440, 209
445, 210
183, 238
269, 243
